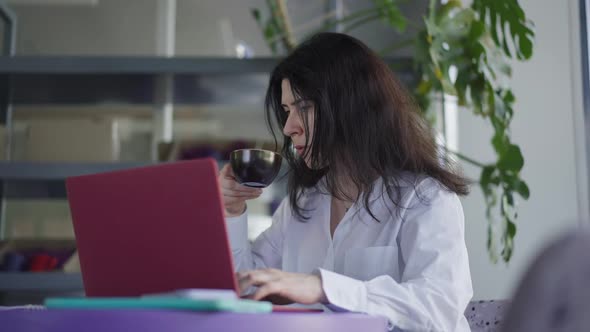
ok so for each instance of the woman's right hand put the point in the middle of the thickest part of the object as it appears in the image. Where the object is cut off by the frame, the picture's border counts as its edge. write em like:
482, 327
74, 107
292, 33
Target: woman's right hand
234, 194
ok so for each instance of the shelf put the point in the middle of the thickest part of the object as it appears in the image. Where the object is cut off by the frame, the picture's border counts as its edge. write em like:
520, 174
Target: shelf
145, 65
42, 180
133, 65
40, 281
134, 80
28, 180
238, 89
51, 171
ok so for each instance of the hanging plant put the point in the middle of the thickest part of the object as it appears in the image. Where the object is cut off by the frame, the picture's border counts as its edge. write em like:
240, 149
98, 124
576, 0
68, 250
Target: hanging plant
458, 51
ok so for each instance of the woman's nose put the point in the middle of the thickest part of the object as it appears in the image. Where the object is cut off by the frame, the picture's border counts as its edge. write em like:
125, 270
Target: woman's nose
293, 125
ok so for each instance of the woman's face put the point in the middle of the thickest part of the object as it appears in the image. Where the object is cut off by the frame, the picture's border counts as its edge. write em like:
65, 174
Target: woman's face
297, 109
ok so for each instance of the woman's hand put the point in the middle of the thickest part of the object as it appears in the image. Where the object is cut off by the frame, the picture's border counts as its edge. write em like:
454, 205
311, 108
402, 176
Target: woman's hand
283, 287
234, 194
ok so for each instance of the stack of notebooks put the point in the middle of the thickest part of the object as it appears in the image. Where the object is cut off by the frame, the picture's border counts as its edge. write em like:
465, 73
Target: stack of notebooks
191, 300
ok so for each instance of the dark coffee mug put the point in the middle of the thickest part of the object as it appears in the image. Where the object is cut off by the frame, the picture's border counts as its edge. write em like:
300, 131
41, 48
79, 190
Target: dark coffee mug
255, 167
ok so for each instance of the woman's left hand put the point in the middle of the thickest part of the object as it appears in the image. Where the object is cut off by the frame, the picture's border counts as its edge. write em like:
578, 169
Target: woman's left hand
287, 286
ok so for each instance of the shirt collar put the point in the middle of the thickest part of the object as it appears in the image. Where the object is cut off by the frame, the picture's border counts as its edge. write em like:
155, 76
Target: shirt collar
378, 195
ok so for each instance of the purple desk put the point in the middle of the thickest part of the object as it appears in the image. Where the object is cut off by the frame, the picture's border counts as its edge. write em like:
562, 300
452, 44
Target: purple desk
164, 321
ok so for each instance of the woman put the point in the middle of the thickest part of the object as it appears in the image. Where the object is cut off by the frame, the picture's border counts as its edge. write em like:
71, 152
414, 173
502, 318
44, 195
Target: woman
373, 222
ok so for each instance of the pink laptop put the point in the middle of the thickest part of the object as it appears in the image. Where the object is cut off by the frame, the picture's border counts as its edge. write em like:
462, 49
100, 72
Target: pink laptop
151, 230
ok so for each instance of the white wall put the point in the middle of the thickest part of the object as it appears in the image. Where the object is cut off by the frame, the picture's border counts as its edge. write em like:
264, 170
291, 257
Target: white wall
109, 28
548, 127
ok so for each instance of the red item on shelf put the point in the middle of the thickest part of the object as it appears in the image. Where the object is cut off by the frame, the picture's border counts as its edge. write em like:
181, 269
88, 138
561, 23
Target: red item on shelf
42, 262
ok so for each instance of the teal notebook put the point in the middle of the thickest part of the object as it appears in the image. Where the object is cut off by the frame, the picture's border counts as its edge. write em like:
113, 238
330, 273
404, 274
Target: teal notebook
168, 303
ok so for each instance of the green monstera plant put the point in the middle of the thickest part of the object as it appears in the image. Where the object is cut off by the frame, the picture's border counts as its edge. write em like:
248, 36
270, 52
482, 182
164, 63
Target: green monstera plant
461, 51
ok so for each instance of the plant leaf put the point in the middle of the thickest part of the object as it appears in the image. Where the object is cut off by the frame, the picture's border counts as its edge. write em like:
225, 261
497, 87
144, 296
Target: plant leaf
256, 14
390, 12
486, 175
511, 159
523, 189
507, 12
500, 143
511, 228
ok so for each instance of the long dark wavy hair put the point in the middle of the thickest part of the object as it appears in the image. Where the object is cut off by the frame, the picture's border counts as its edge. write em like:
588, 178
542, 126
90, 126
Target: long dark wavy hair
366, 123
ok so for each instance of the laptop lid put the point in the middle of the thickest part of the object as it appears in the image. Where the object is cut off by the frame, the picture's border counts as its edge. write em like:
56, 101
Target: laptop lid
151, 229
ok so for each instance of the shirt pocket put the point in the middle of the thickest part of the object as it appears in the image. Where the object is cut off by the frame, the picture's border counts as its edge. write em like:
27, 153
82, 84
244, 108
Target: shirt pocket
368, 263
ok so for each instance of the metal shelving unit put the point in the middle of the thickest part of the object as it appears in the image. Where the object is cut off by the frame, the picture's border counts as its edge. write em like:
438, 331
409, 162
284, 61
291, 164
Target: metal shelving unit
96, 80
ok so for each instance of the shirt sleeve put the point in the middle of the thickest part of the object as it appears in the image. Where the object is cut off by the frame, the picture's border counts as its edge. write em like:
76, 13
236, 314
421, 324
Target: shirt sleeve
266, 250
435, 285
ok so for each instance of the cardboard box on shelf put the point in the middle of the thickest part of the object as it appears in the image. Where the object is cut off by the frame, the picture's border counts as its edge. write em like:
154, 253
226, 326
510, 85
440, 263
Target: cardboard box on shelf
73, 140
72, 265
38, 218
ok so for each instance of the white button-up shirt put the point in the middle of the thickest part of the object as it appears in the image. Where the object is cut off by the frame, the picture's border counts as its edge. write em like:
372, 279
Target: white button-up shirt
411, 267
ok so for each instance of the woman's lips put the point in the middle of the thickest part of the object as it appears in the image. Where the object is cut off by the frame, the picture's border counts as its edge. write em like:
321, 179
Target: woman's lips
299, 149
